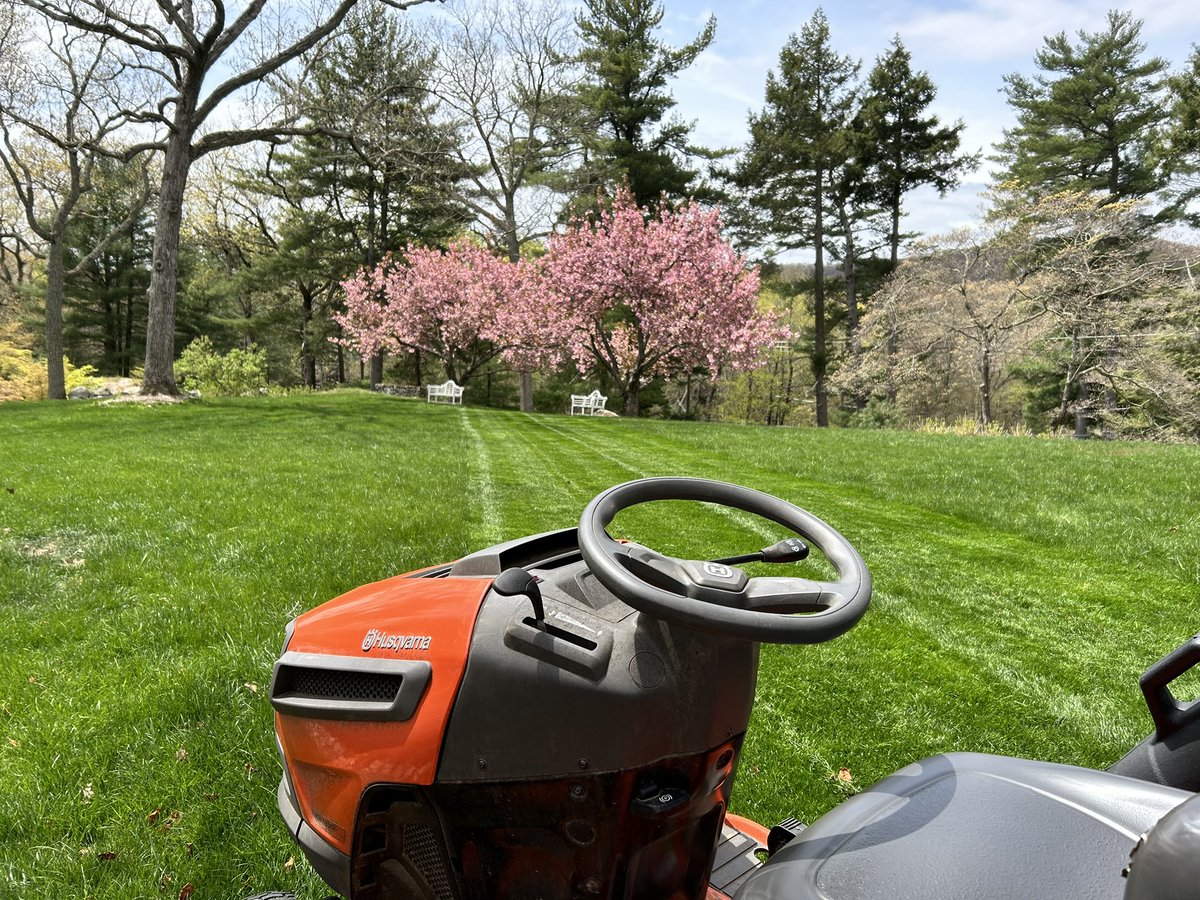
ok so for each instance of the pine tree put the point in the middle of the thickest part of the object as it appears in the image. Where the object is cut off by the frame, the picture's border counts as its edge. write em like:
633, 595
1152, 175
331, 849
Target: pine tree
104, 309
797, 143
622, 105
908, 147
378, 175
1180, 141
1087, 123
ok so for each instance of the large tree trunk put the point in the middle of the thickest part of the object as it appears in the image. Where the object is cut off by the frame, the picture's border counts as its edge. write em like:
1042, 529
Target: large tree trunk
55, 281
632, 402
159, 377
818, 358
377, 369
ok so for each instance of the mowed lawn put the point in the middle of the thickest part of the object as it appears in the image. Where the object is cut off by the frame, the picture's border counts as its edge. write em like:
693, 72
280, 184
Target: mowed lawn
150, 557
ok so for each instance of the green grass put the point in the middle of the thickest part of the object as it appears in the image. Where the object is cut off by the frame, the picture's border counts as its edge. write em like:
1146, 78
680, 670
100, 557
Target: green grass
149, 558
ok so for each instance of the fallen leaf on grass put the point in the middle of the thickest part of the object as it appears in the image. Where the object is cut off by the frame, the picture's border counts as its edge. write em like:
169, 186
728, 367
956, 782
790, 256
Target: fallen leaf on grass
172, 820
153, 817
248, 767
107, 854
290, 864
13, 743
181, 754
251, 687
88, 792
844, 775
85, 852
186, 891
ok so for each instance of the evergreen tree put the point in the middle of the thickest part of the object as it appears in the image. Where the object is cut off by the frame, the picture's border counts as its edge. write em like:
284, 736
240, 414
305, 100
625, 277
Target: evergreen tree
622, 104
104, 309
377, 176
908, 147
370, 99
1180, 142
1088, 122
797, 145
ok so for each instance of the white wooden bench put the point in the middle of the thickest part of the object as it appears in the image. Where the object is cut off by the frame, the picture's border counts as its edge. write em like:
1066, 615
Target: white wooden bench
446, 392
587, 404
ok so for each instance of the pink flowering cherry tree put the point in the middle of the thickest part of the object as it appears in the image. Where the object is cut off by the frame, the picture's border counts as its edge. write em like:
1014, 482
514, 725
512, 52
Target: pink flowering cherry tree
463, 305
641, 297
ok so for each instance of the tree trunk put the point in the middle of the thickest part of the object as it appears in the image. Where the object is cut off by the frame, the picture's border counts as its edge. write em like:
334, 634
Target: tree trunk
526, 391
632, 404
55, 281
127, 349
512, 246
985, 386
159, 377
818, 359
377, 369
894, 242
894, 234
308, 362
111, 340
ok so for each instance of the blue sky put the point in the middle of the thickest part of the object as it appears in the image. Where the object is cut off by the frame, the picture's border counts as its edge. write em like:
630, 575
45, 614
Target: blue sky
966, 47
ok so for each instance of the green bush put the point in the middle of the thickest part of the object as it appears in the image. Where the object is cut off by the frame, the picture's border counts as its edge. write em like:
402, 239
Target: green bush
234, 374
878, 413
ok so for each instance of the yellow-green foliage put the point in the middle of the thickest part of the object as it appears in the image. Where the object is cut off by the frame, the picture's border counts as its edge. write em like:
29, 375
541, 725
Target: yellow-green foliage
84, 376
22, 377
234, 374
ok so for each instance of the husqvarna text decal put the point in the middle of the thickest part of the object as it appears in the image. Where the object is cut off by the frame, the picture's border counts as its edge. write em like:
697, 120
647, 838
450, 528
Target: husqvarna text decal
381, 640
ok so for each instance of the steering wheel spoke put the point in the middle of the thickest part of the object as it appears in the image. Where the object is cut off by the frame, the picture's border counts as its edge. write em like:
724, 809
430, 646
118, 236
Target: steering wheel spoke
787, 595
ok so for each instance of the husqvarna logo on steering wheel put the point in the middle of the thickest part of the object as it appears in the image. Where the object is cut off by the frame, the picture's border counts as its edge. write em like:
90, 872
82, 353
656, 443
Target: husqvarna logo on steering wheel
381, 640
717, 570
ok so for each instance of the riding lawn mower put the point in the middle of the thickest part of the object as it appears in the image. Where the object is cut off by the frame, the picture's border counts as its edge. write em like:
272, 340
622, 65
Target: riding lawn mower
561, 717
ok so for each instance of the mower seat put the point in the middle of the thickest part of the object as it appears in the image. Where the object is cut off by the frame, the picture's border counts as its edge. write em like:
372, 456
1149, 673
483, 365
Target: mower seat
971, 825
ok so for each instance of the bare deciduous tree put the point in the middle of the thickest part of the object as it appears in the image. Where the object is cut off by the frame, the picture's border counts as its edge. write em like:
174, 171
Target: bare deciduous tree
503, 72
178, 46
61, 103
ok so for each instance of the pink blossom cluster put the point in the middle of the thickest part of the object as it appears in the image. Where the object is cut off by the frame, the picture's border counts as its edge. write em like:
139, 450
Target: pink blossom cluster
442, 302
632, 295
647, 297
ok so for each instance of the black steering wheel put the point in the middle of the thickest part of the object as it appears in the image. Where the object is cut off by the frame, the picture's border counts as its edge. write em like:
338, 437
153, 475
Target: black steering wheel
720, 598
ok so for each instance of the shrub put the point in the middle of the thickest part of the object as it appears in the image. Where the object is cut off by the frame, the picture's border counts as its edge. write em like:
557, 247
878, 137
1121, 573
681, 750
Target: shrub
234, 374
878, 413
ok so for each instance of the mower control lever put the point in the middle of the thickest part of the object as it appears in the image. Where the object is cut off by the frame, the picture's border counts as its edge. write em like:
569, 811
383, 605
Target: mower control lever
516, 582
787, 550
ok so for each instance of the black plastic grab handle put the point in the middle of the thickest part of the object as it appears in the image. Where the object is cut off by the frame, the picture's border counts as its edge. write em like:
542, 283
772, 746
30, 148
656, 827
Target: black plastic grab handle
1168, 713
